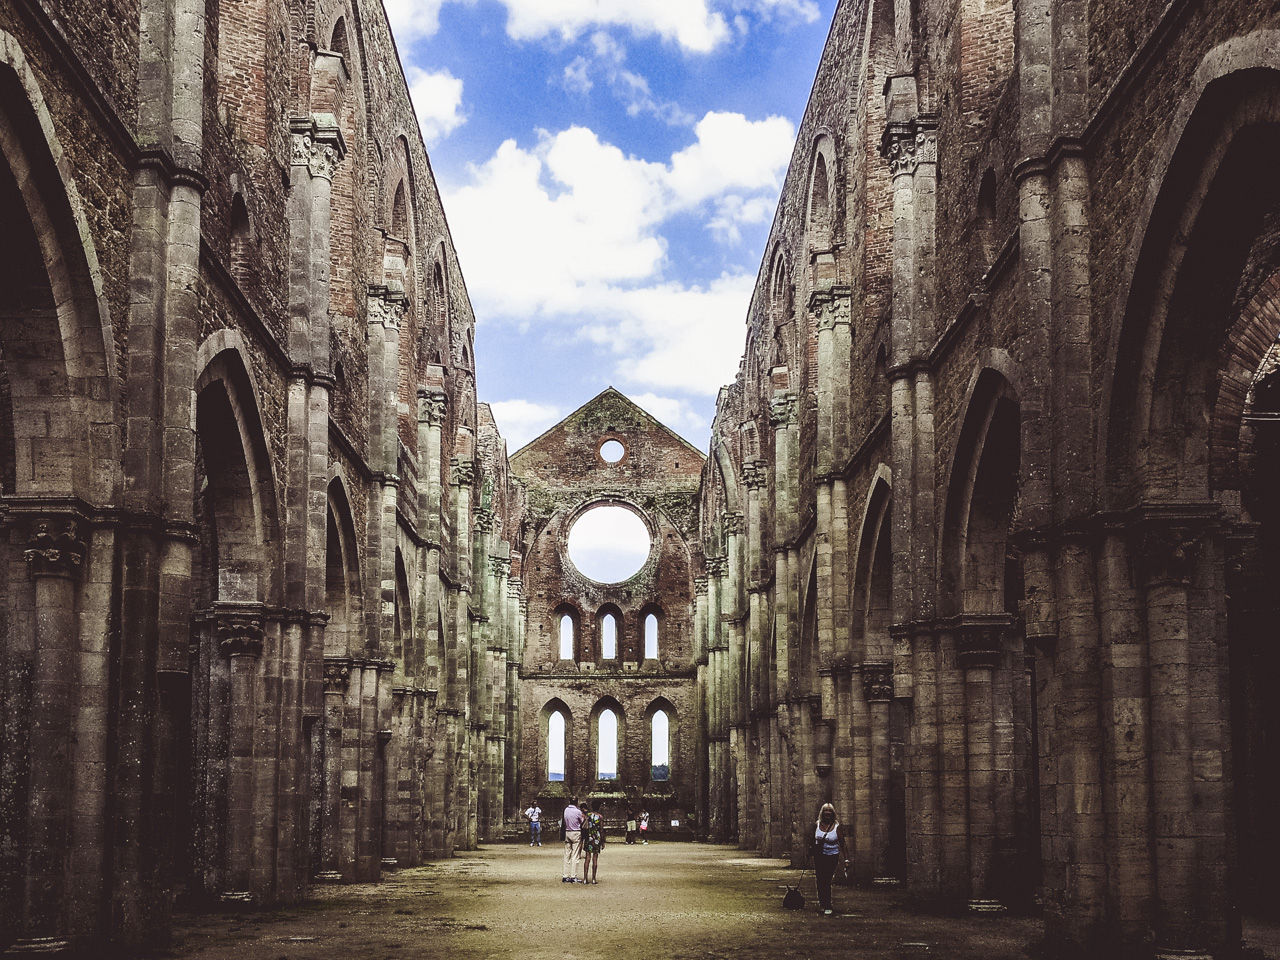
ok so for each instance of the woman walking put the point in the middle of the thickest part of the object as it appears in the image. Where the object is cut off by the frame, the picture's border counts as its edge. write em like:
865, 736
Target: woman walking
592, 842
829, 854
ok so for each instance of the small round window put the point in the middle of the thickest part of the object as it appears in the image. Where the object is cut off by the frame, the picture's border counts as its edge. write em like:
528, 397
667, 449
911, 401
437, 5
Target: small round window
609, 544
611, 451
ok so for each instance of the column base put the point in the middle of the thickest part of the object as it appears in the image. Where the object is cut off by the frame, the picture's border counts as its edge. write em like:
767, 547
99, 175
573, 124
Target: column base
236, 897
885, 882
1167, 953
987, 906
50, 946
390, 863
328, 876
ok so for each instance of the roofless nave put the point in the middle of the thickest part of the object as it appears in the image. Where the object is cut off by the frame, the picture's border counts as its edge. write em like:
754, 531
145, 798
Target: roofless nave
980, 551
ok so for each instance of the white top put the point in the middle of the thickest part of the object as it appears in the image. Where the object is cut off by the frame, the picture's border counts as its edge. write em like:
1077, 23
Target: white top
830, 839
534, 814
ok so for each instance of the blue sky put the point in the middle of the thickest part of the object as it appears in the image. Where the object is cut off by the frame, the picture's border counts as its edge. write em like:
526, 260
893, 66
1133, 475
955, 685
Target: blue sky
609, 169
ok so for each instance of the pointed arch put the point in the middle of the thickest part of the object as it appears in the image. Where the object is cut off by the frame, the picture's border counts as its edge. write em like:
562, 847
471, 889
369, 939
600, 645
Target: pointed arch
55, 325
872, 605
343, 594
981, 498
239, 484
662, 712
607, 717
555, 743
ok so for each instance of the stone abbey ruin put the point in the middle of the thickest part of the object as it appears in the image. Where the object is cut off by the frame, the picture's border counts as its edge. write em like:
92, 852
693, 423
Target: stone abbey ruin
983, 548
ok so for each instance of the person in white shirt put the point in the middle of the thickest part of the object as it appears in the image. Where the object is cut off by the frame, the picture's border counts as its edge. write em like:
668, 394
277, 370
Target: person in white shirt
828, 853
534, 816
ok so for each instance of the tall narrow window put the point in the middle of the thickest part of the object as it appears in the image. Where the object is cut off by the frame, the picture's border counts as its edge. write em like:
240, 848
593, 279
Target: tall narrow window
566, 637
609, 637
651, 637
660, 762
555, 746
607, 747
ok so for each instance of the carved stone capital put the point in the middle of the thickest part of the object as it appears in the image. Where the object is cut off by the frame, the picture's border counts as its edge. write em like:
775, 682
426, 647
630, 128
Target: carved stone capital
734, 523
980, 641
385, 309
239, 634
317, 144
700, 585
716, 566
782, 409
877, 681
500, 567
337, 670
831, 307
907, 145
55, 548
462, 471
1167, 553
755, 474
484, 520
432, 407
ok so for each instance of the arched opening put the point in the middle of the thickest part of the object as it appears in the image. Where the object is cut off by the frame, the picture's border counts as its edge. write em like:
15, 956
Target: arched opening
982, 582
651, 636
608, 635
567, 636
556, 738
820, 219
342, 576
400, 214
607, 745
660, 747
1190, 424
338, 39
609, 543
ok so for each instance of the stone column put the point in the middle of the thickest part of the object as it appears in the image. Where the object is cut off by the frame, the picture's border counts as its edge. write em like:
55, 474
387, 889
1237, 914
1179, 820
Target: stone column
877, 692
979, 655
240, 641
337, 674
54, 555
1169, 550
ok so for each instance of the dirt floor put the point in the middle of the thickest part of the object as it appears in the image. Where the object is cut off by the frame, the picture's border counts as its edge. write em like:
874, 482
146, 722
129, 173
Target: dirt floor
677, 900
670, 900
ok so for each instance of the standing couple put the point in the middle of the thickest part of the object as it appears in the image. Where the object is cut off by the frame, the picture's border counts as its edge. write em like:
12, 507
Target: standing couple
582, 832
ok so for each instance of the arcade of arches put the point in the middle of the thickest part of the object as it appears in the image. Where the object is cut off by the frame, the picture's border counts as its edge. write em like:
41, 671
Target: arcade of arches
982, 549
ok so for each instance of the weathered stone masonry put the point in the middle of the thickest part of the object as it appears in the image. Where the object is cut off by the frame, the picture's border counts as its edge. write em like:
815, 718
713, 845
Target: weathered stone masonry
257, 606
982, 550
987, 494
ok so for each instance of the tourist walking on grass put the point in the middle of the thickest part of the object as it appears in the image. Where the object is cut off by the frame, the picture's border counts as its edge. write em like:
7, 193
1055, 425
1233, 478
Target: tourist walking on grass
572, 826
828, 854
592, 842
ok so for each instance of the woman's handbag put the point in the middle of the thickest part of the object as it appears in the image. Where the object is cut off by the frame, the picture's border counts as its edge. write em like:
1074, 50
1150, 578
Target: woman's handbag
793, 899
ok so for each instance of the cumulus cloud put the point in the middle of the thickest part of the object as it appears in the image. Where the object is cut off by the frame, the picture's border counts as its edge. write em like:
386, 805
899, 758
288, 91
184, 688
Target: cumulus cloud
691, 24
520, 421
413, 19
437, 100
570, 231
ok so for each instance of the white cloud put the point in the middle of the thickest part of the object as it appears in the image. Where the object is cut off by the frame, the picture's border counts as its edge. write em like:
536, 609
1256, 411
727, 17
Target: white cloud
520, 421
437, 100
412, 19
806, 10
576, 79
689, 23
571, 232
678, 414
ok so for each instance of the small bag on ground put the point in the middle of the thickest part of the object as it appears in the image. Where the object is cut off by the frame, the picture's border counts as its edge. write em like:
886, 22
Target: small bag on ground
793, 899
